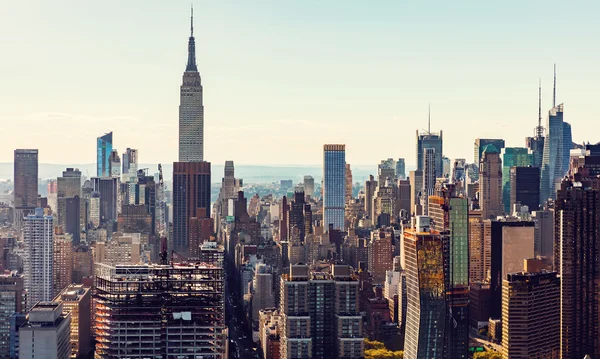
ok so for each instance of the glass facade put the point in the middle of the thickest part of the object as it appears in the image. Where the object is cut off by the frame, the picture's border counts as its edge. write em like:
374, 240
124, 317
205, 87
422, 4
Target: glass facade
430, 140
426, 309
334, 186
103, 149
552, 162
513, 157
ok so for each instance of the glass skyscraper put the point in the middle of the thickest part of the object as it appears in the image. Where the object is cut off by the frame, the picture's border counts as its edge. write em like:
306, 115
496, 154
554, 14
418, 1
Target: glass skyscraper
430, 140
426, 307
334, 185
553, 168
513, 157
104, 146
567, 146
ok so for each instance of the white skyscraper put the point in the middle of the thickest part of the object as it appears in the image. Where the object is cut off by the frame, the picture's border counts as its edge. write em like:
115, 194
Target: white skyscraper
191, 109
39, 257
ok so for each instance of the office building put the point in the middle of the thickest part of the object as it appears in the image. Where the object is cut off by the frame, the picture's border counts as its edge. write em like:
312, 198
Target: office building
511, 243
553, 168
309, 186
386, 169
130, 163
490, 183
320, 315
348, 192
370, 188
299, 217
262, 289
191, 192
46, 333
178, 311
531, 316
62, 266
403, 196
400, 169
480, 297
480, 247
122, 248
426, 307
425, 140
104, 147
38, 260
12, 300
481, 143
567, 146
76, 300
380, 254
513, 157
334, 186
191, 108
543, 244
450, 217
524, 187
576, 219
384, 205
25, 190
115, 164
108, 188
416, 185
429, 177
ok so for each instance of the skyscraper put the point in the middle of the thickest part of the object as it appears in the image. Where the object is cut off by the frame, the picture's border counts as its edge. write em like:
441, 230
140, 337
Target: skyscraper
449, 217
400, 169
25, 183
108, 188
480, 144
104, 148
191, 192
553, 168
386, 169
490, 182
531, 316
430, 140
416, 187
429, 177
370, 188
513, 156
524, 187
115, 164
13, 297
38, 261
320, 314
191, 108
130, 162
426, 308
309, 186
46, 333
348, 193
577, 243
334, 185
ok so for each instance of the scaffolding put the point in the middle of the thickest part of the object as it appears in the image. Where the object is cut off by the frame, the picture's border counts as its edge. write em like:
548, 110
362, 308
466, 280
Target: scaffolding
160, 311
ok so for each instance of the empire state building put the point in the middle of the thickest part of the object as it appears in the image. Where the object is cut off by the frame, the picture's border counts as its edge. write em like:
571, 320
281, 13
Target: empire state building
191, 109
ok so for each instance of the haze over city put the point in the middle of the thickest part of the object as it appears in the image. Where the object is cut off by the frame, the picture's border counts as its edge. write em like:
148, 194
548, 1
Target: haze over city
282, 78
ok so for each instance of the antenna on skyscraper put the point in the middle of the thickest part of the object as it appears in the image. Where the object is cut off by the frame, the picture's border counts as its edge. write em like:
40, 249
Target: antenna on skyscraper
539, 130
554, 90
192, 21
429, 120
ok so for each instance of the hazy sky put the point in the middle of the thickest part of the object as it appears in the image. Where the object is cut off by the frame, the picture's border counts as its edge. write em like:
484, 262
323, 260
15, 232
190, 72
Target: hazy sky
281, 78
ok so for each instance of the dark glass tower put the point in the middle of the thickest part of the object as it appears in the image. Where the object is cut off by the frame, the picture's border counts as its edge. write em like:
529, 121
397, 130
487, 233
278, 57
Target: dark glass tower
430, 140
525, 187
26, 178
334, 185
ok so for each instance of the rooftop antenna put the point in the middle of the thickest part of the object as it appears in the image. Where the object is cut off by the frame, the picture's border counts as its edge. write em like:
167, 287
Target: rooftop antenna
539, 129
192, 21
554, 90
429, 120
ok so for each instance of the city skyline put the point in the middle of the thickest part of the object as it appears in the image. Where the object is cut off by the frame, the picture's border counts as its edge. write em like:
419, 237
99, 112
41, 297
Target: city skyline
268, 92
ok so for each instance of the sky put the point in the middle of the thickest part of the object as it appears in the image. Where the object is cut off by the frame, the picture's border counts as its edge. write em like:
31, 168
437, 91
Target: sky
282, 78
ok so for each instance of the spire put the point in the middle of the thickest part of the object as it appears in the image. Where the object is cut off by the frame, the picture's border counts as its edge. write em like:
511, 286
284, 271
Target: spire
554, 90
429, 120
540, 104
191, 64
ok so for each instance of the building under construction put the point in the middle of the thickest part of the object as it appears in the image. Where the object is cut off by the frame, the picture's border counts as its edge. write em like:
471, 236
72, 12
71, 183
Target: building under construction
160, 311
